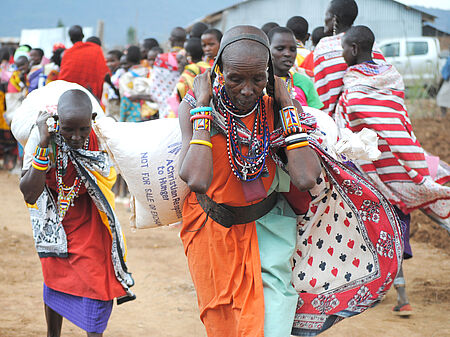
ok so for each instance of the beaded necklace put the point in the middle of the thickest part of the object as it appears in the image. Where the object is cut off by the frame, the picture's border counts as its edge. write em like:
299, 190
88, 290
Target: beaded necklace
289, 81
66, 194
245, 167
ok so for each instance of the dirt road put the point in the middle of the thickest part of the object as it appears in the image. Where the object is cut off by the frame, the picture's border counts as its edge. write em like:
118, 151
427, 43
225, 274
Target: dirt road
166, 304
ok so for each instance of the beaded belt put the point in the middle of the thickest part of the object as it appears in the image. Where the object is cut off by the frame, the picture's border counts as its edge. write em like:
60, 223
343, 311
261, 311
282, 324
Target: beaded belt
228, 216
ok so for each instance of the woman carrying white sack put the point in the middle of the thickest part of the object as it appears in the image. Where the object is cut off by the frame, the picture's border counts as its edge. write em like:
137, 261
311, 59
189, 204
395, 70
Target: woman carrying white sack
265, 258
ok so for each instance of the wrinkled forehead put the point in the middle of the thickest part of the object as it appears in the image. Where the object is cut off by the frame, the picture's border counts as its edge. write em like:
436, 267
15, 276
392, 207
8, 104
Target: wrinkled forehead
247, 50
244, 37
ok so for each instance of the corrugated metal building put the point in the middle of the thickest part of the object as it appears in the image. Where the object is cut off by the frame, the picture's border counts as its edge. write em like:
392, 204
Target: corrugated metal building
387, 18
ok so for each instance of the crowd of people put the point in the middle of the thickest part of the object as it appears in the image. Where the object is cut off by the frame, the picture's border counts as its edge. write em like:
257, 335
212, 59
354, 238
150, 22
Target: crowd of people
270, 211
136, 84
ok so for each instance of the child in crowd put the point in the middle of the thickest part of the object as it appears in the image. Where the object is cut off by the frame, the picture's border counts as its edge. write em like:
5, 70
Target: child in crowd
284, 50
152, 55
146, 46
36, 72
196, 66
210, 44
130, 87
299, 27
111, 94
17, 91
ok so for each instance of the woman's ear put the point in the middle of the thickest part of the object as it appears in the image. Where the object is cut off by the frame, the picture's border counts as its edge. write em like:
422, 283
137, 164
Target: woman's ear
307, 36
355, 49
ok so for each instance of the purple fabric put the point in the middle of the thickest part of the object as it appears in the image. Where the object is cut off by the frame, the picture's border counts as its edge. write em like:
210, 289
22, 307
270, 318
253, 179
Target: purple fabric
406, 220
33, 79
86, 313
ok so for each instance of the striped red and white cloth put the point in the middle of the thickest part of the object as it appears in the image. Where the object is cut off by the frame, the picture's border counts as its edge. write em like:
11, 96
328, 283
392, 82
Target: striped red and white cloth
329, 69
373, 98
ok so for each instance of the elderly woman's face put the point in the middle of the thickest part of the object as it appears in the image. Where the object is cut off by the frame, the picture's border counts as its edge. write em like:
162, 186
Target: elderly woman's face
245, 74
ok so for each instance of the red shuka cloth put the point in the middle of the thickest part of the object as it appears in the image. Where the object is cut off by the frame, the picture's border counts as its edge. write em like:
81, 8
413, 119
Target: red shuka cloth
84, 64
88, 270
329, 69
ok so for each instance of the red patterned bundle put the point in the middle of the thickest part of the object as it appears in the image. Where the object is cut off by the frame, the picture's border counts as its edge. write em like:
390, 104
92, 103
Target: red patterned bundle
349, 248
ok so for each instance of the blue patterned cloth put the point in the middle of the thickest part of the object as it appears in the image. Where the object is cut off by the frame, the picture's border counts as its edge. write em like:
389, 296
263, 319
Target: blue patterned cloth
130, 111
86, 313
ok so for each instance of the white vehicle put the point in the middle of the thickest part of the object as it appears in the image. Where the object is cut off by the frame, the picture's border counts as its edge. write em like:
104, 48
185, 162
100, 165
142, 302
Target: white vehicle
416, 58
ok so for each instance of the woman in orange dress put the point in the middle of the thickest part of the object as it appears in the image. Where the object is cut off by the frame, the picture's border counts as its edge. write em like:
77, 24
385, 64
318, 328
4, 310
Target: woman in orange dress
231, 171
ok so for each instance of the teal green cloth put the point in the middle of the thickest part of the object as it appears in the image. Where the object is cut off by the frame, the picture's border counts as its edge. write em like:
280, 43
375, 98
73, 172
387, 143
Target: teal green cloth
277, 239
281, 182
304, 83
130, 111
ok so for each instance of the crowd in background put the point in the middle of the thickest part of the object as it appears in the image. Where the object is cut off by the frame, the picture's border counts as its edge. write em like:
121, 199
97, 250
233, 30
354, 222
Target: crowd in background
138, 83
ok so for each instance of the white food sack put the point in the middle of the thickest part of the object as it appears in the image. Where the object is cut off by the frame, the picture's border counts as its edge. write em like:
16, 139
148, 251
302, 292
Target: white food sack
44, 99
146, 155
326, 125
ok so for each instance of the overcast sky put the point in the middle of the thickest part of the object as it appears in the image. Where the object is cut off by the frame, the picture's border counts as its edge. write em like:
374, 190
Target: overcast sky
153, 18
442, 4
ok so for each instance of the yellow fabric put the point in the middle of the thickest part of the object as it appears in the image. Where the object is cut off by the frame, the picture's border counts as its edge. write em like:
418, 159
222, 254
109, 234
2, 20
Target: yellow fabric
302, 52
15, 81
186, 81
105, 184
3, 124
147, 111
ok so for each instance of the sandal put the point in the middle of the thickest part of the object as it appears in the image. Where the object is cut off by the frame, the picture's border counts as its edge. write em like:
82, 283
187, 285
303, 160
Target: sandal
402, 310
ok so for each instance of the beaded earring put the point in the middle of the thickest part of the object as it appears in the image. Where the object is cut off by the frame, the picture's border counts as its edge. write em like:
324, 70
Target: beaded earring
52, 124
334, 25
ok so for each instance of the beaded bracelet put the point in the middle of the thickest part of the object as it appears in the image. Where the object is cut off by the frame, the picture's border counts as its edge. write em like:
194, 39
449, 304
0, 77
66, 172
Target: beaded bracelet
201, 142
41, 161
293, 131
200, 109
296, 138
297, 141
193, 118
297, 145
41, 151
290, 119
202, 124
39, 166
202, 120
